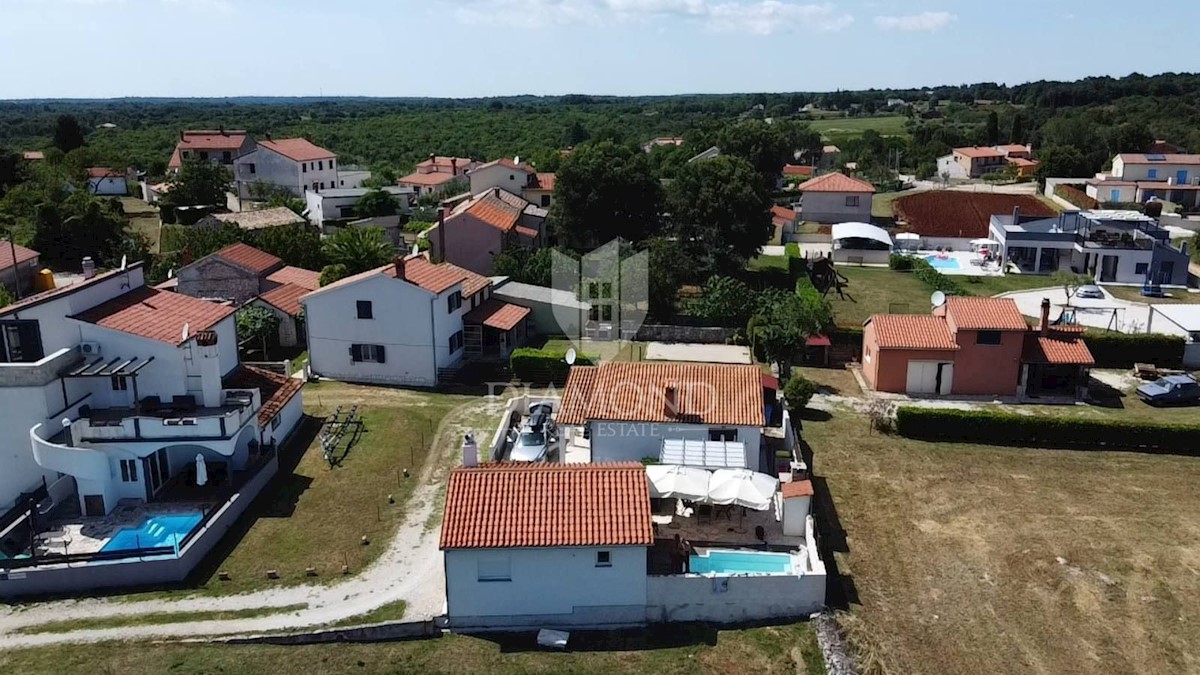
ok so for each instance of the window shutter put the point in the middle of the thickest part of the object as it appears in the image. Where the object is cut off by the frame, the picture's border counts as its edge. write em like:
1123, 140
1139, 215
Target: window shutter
356, 353
381, 353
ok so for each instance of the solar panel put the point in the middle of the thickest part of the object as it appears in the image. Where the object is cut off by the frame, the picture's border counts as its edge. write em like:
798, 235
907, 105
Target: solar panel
1156, 158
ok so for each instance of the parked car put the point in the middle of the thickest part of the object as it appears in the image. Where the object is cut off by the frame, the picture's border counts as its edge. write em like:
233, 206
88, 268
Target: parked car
530, 446
1172, 389
1090, 292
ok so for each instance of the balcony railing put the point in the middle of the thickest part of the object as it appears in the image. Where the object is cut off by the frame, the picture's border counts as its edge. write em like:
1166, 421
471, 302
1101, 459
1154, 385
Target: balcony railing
147, 424
38, 373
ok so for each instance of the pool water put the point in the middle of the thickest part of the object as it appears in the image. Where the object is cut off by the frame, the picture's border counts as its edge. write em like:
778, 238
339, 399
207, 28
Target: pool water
738, 562
153, 532
942, 263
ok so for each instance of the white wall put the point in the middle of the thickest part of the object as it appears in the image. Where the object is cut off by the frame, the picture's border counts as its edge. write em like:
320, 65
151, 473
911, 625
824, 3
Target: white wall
24, 407
733, 599
1103, 193
498, 176
830, 207
59, 332
352, 179
547, 584
631, 441
289, 417
1135, 172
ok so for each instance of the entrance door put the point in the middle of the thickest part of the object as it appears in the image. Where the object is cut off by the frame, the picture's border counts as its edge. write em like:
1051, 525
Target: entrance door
1108, 268
930, 377
1181, 177
93, 506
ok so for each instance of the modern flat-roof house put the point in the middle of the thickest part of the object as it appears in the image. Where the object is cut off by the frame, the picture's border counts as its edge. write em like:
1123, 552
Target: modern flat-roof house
411, 322
1137, 178
437, 173
483, 226
973, 346
107, 182
835, 198
948, 218
629, 410
1110, 246
294, 164
329, 206
221, 146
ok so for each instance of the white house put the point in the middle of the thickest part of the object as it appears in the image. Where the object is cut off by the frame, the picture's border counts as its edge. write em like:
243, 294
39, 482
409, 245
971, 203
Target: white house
546, 545
408, 323
295, 164
630, 409
835, 198
107, 182
338, 204
437, 174
111, 390
516, 177
1137, 177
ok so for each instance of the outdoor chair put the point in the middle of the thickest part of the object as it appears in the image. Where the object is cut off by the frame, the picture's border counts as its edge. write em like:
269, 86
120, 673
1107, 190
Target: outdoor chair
184, 403
151, 405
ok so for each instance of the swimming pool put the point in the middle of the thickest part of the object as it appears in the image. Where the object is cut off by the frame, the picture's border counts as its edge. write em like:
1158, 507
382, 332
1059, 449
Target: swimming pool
942, 263
741, 562
153, 532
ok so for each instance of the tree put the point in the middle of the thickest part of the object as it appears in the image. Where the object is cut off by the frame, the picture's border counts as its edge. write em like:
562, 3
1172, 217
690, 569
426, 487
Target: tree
68, 134
724, 301
1129, 137
1064, 161
1071, 282
784, 321
523, 265
274, 196
768, 146
575, 134
255, 322
376, 203
991, 134
720, 213
799, 391
358, 248
332, 273
198, 184
298, 245
1017, 134
80, 225
605, 191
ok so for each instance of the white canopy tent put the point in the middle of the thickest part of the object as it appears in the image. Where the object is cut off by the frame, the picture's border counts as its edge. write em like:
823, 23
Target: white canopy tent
908, 241
677, 482
843, 231
742, 487
704, 454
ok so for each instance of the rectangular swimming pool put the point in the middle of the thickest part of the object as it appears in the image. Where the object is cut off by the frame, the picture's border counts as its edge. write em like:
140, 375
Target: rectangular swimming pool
153, 532
741, 562
943, 263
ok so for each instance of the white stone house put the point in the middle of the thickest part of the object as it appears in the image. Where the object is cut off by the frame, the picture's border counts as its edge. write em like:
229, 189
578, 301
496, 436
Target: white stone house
295, 164
835, 198
338, 204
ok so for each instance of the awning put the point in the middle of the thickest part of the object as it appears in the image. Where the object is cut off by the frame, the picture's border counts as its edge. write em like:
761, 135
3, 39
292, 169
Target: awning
704, 454
861, 231
497, 314
101, 367
770, 382
908, 236
818, 341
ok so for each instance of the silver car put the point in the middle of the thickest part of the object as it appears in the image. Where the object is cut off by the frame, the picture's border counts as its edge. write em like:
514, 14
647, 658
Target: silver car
530, 446
1090, 292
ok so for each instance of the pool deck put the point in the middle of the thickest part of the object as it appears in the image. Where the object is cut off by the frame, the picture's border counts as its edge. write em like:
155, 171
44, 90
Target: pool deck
719, 528
966, 264
89, 535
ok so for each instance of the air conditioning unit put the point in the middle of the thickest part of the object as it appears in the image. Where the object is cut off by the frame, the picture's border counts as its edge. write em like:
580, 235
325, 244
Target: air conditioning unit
90, 348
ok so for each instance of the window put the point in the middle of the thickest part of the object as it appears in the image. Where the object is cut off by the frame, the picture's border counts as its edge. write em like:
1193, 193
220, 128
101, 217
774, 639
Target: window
987, 337
606, 290
203, 156
603, 558
367, 354
1141, 268
226, 157
511, 177
129, 471
365, 309
456, 342
253, 169
545, 200
320, 166
722, 435
303, 167
322, 185
494, 568
120, 383
852, 201
593, 290
594, 314
454, 302
22, 342
331, 165
276, 421
606, 313
1153, 173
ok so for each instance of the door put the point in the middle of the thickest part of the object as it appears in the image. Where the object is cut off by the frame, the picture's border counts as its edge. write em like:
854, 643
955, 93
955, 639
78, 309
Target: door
1181, 177
93, 506
1114, 195
930, 377
1108, 268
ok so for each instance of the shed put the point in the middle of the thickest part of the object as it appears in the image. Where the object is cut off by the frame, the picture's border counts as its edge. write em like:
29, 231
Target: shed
1178, 320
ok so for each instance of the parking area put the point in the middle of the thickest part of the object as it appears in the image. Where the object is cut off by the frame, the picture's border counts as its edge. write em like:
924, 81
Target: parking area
1110, 313
700, 353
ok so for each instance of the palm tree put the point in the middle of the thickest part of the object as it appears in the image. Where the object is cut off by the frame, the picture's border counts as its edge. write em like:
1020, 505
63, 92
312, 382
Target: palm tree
359, 249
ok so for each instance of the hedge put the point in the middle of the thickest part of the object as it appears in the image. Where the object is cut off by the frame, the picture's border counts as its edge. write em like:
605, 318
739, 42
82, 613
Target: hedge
540, 365
900, 262
1075, 196
797, 265
1037, 431
1122, 350
926, 272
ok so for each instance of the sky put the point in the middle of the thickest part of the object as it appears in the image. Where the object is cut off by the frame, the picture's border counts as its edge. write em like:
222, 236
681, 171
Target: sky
467, 48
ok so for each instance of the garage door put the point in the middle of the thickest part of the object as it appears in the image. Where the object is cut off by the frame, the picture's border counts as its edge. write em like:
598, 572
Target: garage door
930, 377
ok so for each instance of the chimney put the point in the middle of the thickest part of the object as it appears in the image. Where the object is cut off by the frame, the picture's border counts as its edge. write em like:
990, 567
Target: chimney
496, 192
470, 450
1044, 326
399, 263
89, 267
671, 401
432, 158
182, 135
1016, 215
442, 234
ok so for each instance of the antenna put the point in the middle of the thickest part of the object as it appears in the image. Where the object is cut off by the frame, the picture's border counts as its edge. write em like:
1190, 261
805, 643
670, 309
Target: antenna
571, 356
937, 299
124, 262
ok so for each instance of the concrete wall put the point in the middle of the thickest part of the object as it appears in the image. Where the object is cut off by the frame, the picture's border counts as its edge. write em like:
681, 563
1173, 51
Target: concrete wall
547, 587
216, 278
830, 207
631, 441
669, 333
733, 599
860, 256
470, 243
498, 176
23, 408
987, 369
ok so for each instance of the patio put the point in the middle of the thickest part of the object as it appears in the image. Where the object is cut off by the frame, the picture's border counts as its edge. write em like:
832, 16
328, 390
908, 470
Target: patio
713, 527
76, 535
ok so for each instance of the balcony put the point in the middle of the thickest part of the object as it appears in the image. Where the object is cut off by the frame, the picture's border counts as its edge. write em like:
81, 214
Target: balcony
39, 373
152, 421
1131, 241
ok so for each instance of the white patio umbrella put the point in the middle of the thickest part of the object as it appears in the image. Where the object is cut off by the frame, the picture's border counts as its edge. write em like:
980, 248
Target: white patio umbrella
670, 481
742, 487
201, 470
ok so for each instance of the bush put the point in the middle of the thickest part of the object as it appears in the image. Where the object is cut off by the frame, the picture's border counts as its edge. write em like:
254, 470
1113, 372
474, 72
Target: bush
922, 270
900, 263
797, 265
1002, 428
1075, 196
542, 365
799, 391
1122, 350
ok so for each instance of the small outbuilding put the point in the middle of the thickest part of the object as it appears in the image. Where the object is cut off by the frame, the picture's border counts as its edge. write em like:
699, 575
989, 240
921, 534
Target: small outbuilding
861, 243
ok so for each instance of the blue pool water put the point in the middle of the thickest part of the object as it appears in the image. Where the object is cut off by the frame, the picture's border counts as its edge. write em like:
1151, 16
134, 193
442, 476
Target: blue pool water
942, 263
153, 532
736, 562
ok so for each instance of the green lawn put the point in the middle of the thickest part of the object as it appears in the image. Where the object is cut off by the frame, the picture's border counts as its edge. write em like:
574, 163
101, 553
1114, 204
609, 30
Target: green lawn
768, 262
143, 219
682, 649
848, 127
157, 619
1134, 294
607, 350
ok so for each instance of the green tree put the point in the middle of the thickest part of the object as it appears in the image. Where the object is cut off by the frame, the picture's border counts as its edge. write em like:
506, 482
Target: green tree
720, 213
358, 248
523, 265
257, 323
298, 245
1129, 137
605, 191
77, 226
768, 146
198, 184
667, 270
799, 391
332, 273
575, 134
376, 203
1017, 134
1062, 161
991, 134
724, 301
68, 134
1071, 282
784, 321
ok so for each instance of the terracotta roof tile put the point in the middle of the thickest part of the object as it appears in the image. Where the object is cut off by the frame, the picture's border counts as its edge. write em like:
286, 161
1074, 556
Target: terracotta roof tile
637, 392
1021, 161
285, 298
494, 210
253, 259
157, 315
1057, 348
420, 272
297, 276
783, 212
796, 170
1167, 158
510, 505
274, 389
7, 250
912, 331
497, 314
298, 149
546, 181
211, 140
435, 178
979, 152
970, 313
797, 488
527, 231
835, 182
506, 163
948, 213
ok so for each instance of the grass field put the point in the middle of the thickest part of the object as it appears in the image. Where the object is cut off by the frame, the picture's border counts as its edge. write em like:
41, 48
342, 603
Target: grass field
143, 219
881, 203
678, 649
1134, 294
978, 559
156, 618
849, 127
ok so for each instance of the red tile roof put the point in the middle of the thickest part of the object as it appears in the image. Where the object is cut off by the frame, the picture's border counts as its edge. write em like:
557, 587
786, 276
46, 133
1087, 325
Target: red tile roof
796, 170
1015, 148
493, 210
545, 181
1167, 158
102, 172
211, 140
420, 272
440, 163
510, 505
949, 213
298, 149
912, 331
784, 213
1057, 348
527, 231
1021, 161
157, 315
797, 488
637, 392
23, 254
244, 255
970, 313
835, 182
436, 178
297, 276
497, 314
976, 152
274, 389
285, 298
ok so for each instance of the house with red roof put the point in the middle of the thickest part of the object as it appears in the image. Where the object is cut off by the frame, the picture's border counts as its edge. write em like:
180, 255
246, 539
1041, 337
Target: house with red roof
411, 322
18, 267
437, 174
484, 225
835, 198
515, 177
978, 161
295, 164
973, 346
1140, 177
220, 146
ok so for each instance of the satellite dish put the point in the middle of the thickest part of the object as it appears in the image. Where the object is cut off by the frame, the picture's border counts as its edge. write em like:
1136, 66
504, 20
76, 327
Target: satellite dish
937, 299
124, 262
571, 356
171, 273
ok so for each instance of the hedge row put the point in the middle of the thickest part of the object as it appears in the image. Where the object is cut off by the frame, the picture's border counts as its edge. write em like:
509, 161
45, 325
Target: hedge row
926, 272
1122, 350
541, 365
797, 265
1075, 196
1001, 428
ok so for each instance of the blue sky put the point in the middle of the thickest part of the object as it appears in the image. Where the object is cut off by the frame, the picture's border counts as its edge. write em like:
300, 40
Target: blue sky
104, 48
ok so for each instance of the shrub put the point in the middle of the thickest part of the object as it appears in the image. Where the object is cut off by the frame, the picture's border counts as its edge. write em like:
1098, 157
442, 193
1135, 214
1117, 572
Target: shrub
900, 263
1002, 428
799, 391
542, 365
1075, 196
922, 270
1122, 350
797, 265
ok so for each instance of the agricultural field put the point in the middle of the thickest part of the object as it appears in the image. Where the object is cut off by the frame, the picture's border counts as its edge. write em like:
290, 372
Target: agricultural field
841, 128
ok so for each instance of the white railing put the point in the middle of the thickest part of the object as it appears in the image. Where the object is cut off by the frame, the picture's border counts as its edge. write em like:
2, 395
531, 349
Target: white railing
82, 463
200, 423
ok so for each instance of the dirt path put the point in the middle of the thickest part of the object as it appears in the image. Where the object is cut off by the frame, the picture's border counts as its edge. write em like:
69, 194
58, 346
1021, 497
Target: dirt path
410, 570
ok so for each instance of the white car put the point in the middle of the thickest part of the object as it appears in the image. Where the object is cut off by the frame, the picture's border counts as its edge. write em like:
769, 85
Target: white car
1090, 292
